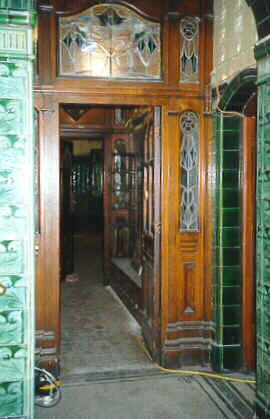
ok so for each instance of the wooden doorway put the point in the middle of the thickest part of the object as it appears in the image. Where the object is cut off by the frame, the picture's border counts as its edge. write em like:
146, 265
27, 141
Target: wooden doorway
132, 227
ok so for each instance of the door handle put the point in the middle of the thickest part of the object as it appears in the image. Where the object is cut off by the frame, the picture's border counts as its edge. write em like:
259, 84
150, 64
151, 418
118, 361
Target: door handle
2, 289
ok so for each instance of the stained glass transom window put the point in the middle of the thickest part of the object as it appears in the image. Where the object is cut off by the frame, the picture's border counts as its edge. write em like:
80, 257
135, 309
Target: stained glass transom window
189, 57
109, 41
189, 213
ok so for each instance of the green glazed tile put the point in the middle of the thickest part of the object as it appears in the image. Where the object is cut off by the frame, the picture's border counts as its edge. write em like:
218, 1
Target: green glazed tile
12, 149
231, 335
12, 227
265, 358
11, 88
12, 187
217, 358
232, 123
11, 332
231, 295
12, 364
231, 160
11, 399
232, 358
17, 4
264, 382
230, 275
230, 179
11, 257
231, 256
229, 236
231, 315
12, 116
14, 298
266, 326
231, 140
231, 198
228, 217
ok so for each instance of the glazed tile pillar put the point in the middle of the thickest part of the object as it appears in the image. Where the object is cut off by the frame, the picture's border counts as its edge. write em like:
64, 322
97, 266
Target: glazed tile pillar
226, 353
16, 210
262, 53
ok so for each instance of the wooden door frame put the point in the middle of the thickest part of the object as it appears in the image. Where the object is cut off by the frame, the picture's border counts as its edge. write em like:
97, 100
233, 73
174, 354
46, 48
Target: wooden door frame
249, 242
48, 284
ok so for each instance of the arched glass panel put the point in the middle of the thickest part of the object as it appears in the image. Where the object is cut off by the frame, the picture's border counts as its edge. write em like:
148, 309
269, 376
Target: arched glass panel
189, 212
109, 41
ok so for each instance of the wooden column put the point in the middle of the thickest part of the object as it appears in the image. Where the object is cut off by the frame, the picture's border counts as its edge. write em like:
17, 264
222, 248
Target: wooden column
249, 241
48, 276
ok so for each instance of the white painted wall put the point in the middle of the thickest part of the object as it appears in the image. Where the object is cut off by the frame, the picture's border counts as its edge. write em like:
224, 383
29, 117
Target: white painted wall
235, 35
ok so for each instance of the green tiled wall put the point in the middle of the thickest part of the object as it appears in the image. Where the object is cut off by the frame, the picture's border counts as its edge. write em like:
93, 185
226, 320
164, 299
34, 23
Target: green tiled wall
17, 4
263, 253
16, 216
262, 53
227, 283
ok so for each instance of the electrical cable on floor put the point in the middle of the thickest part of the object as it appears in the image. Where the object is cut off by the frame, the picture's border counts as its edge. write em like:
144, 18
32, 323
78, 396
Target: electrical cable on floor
208, 374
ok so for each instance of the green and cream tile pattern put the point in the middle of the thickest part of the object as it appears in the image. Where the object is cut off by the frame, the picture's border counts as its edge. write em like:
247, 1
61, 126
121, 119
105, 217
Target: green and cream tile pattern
16, 215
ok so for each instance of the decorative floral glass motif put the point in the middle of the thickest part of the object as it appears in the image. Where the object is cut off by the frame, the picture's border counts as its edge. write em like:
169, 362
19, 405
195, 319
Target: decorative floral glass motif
189, 58
109, 41
189, 216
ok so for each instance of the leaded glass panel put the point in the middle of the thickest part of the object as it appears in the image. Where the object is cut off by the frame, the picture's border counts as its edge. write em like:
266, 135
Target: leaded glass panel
189, 56
109, 41
189, 214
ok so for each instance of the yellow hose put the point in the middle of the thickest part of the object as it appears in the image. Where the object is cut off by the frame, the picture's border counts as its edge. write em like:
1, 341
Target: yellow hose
208, 374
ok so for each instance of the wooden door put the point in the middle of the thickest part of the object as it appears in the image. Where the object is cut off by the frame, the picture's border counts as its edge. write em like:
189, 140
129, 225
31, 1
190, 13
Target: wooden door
151, 235
107, 206
66, 210
116, 199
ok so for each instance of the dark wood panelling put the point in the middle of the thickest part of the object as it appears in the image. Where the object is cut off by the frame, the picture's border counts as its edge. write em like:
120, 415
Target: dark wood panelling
153, 8
189, 297
94, 117
187, 343
129, 292
106, 207
172, 325
189, 292
47, 290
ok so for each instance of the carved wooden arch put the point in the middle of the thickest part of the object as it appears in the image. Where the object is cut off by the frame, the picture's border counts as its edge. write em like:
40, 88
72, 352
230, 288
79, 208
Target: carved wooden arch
152, 10
261, 11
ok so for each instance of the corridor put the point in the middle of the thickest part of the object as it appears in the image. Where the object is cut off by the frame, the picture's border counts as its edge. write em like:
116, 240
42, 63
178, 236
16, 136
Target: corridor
98, 333
105, 373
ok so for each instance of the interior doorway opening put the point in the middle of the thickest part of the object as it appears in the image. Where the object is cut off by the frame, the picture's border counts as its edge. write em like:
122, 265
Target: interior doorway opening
110, 197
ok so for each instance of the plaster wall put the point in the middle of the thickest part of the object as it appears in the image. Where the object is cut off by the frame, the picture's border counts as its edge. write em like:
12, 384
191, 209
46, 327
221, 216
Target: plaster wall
235, 35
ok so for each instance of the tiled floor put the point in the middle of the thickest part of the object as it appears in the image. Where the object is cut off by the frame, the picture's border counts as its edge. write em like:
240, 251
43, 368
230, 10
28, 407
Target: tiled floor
105, 372
98, 334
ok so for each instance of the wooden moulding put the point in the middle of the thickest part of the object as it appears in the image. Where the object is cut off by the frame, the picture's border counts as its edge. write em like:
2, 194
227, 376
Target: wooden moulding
187, 343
